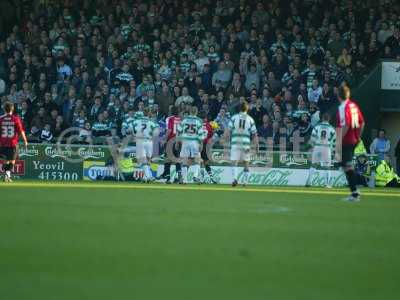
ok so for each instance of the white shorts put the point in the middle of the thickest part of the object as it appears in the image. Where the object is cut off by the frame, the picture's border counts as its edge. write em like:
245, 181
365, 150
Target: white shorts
240, 154
190, 149
144, 149
321, 155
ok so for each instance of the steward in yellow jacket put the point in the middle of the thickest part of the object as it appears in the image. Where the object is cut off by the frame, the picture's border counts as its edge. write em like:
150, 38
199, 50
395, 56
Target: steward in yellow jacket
385, 175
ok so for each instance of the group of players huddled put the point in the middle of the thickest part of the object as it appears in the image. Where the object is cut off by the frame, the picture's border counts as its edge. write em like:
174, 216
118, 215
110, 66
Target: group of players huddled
188, 137
187, 141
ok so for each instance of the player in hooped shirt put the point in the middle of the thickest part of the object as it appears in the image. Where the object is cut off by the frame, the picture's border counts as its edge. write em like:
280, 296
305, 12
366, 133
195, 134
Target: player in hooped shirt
10, 129
172, 123
350, 122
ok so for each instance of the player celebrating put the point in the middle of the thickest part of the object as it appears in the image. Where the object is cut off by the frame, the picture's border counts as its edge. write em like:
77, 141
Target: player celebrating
351, 124
323, 139
10, 129
145, 130
191, 133
241, 130
172, 123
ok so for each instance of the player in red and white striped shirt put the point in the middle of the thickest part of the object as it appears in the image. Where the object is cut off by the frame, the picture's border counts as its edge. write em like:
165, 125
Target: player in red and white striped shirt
10, 129
350, 122
172, 123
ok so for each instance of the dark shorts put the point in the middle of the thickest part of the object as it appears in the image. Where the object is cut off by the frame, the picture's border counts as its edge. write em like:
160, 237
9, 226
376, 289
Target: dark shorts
347, 155
8, 153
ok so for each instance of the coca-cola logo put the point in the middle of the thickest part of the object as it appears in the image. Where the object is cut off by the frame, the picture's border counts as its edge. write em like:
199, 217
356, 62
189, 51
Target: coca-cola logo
272, 177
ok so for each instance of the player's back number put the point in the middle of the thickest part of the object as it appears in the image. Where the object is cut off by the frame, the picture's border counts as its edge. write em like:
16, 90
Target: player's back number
7, 131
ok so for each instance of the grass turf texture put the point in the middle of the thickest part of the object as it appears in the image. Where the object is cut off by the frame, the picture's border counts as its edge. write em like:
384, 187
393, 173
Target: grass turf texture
111, 241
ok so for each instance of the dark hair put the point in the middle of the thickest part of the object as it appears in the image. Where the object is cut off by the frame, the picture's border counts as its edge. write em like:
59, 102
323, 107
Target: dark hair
326, 117
174, 111
8, 107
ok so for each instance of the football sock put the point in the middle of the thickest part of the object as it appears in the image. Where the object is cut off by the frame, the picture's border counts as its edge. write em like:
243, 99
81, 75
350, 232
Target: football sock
167, 170
148, 172
143, 168
351, 178
196, 170
246, 174
310, 175
178, 168
208, 169
328, 177
184, 173
234, 172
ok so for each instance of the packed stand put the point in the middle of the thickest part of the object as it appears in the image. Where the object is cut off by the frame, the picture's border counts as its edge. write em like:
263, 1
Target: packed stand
94, 65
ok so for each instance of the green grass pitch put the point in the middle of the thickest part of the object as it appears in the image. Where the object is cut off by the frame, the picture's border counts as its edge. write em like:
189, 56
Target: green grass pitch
119, 241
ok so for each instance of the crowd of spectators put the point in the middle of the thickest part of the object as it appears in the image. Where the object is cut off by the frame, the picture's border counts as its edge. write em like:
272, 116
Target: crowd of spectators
92, 64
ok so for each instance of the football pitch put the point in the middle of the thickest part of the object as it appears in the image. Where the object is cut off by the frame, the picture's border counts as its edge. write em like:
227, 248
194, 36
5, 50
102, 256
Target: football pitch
135, 241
